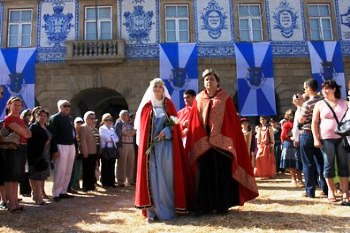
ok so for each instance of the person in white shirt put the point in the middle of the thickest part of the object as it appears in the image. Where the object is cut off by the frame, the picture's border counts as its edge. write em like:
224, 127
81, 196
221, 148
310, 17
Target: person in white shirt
108, 139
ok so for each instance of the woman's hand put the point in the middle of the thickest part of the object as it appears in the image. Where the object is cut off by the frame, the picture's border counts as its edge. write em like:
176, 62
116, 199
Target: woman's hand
161, 135
56, 155
185, 123
317, 143
184, 132
296, 144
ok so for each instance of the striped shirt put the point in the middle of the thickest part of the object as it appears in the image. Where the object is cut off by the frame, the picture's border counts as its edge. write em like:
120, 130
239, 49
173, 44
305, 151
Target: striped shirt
306, 111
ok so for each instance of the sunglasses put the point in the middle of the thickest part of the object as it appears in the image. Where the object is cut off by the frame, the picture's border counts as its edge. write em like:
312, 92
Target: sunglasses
66, 106
108, 120
92, 118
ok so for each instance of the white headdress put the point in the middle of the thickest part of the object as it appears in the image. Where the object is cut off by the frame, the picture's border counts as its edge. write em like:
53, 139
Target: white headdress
148, 96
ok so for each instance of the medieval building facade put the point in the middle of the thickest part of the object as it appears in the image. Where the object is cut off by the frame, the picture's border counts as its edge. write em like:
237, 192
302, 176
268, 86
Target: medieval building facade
101, 54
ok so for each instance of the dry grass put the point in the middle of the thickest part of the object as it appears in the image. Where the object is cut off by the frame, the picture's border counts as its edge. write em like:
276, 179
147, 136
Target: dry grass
280, 208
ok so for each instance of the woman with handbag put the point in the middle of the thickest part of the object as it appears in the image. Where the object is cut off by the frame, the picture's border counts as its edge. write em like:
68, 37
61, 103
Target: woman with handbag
326, 115
289, 156
88, 149
39, 147
15, 158
108, 140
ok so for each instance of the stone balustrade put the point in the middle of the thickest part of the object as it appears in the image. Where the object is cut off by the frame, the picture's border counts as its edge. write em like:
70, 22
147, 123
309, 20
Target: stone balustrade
95, 51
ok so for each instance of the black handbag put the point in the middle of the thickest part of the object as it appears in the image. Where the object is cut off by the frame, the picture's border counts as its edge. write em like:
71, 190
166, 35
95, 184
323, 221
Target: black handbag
343, 128
41, 165
110, 153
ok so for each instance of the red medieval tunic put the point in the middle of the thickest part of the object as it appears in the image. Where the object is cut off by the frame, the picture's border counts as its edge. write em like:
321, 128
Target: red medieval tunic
183, 116
214, 125
265, 164
143, 195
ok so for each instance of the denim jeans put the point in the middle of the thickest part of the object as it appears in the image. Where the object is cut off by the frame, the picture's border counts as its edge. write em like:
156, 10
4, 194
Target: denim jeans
332, 149
312, 160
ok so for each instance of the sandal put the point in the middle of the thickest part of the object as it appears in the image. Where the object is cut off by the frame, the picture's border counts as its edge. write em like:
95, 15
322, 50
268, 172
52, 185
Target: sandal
40, 203
332, 200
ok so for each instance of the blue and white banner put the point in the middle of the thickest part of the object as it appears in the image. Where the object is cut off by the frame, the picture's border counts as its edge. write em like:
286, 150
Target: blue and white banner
179, 69
17, 75
255, 79
326, 62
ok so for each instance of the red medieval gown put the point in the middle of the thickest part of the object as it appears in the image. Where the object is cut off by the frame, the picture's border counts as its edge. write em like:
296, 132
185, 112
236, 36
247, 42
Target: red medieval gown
218, 155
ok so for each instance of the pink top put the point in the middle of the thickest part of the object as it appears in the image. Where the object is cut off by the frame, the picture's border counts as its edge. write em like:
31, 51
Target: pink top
327, 120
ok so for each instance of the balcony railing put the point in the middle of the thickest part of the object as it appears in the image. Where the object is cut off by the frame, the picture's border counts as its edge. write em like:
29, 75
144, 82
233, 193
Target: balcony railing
95, 51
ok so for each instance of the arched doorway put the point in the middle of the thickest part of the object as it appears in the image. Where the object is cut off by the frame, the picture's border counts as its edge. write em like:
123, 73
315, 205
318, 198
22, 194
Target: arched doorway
99, 100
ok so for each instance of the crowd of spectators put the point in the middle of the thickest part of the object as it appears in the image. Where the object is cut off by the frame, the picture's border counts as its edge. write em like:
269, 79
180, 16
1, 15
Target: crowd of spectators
206, 161
305, 143
67, 150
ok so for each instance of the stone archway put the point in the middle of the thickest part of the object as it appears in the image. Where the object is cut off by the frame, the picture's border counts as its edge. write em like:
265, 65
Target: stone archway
99, 100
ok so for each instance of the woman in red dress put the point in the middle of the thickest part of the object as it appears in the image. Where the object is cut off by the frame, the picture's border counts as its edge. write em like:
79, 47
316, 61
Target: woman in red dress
221, 171
265, 165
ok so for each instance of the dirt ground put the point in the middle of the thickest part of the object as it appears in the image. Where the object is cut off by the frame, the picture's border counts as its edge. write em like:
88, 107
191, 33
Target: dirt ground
279, 208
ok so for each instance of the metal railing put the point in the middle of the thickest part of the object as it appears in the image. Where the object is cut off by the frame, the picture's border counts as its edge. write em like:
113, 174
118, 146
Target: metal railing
95, 51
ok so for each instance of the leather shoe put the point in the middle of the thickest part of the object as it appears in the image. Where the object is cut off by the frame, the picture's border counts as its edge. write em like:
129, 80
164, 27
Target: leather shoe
323, 195
72, 191
307, 195
56, 199
65, 195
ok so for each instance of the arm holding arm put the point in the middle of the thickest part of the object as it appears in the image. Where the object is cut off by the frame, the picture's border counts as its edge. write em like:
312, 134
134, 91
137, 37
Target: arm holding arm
21, 130
128, 132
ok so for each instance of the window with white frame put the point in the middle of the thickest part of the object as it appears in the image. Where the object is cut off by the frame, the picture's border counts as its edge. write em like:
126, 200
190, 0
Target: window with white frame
320, 22
20, 28
176, 23
98, 23
250, 28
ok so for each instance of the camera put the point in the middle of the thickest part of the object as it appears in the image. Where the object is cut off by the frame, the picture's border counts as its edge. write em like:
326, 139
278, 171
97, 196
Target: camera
300, 126
296, 96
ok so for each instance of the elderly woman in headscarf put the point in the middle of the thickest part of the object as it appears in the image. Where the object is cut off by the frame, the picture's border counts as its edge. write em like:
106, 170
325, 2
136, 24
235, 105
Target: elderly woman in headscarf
220, 164
160, 170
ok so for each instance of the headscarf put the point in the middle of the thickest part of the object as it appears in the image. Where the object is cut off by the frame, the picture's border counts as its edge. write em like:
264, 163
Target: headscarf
148, 96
